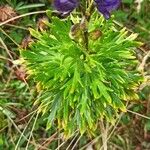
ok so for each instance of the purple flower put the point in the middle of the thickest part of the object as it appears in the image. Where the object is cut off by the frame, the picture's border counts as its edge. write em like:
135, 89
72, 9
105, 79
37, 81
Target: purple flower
65, 6
107, 6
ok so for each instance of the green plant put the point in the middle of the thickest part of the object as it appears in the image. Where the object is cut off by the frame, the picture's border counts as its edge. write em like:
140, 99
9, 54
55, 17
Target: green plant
84, 78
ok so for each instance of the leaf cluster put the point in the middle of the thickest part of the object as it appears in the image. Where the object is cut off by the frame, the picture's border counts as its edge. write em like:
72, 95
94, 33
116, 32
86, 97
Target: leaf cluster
81, 86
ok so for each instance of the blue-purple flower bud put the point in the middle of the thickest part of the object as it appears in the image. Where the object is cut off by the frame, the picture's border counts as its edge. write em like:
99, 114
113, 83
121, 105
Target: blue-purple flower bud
107, 6
65, 6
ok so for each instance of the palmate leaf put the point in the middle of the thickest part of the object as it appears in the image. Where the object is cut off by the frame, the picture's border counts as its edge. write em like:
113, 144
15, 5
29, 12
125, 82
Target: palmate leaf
81, 86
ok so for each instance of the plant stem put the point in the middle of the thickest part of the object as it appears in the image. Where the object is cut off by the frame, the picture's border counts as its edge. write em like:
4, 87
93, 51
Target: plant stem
85, 31
86, 20
21, 16
104, 134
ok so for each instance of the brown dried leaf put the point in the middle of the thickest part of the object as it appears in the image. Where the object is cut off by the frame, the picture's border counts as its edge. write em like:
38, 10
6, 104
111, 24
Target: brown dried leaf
20, 74
95, 34
41, 23
6, 12
26, 42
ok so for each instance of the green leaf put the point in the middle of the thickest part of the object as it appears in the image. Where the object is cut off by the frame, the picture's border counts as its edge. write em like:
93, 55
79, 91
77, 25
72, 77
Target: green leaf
103, 90
117, 103
30, 6
53, 110
66, 111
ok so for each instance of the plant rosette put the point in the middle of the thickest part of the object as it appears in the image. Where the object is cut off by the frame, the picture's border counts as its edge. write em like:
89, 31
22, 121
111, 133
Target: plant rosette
85, 68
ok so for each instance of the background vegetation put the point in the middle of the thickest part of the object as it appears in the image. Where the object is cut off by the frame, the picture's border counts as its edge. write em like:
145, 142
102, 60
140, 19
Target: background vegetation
21, 127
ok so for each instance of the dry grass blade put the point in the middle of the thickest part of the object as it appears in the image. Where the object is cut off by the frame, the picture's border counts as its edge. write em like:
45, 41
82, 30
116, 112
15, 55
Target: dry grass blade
142, 65
76, 142
9, 37
138, 114
16, 147
21, 16
66, 140
7, 50
72, 141
32, 131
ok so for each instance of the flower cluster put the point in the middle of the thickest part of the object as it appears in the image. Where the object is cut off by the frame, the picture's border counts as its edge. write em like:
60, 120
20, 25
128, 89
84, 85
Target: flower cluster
104, 6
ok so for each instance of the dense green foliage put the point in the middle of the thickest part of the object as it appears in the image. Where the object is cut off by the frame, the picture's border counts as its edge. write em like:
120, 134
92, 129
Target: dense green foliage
83, 85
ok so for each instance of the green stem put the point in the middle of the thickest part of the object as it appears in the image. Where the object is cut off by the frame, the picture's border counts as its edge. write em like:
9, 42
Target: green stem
86, 20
